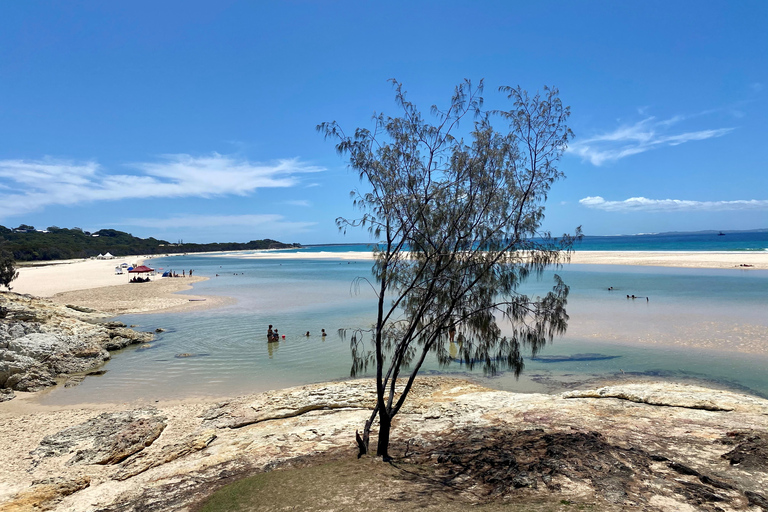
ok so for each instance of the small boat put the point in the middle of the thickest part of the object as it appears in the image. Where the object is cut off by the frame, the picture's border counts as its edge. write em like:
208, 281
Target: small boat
196, 300
721, 234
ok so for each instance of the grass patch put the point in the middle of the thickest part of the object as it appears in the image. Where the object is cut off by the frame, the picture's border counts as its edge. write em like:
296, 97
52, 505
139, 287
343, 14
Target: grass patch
367, 484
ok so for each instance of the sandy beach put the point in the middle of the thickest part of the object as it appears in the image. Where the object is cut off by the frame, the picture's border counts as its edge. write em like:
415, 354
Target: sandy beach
726, 260
93, 284
690, 259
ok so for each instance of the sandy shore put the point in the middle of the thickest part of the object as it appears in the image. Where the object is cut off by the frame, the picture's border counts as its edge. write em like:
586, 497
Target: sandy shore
155, 296
755, 260
691, 259
93, 284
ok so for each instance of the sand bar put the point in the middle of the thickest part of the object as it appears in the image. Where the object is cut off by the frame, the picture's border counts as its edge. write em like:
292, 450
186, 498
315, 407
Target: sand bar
689, 259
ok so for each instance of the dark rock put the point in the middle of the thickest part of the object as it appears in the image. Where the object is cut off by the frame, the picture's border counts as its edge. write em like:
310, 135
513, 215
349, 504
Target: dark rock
114, 325
758, 500
750, 452
81, 309
6, 394
35, 379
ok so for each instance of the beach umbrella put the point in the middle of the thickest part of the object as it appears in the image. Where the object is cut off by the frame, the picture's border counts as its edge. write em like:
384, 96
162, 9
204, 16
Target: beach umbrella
140, 269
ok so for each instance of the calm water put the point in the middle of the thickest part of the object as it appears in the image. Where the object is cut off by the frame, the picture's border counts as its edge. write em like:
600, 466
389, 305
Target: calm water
741, 241
717, 310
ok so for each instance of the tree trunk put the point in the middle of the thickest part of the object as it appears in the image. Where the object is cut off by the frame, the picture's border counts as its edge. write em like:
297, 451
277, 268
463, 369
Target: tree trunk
385, 425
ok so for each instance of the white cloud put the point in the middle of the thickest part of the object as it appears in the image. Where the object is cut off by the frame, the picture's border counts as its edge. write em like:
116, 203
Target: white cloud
640, 137
670, 205
33, 185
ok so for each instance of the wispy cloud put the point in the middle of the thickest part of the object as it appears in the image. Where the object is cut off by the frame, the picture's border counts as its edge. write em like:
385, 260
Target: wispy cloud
28, 185
275, 222
299, 202
634, 204
640, 137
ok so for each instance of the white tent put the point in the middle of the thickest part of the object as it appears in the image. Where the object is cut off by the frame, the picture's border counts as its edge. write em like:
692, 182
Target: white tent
108, 256
100, 257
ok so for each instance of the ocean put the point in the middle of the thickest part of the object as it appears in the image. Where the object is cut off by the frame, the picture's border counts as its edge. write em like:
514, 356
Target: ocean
698, 325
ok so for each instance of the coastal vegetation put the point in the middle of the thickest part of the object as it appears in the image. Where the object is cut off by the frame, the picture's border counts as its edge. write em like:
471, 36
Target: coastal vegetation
7, 270
458, 230
24, 243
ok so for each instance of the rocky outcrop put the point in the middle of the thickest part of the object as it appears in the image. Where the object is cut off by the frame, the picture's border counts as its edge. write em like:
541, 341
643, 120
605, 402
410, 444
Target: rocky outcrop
108, 438
40, 341
45, 495
661, 453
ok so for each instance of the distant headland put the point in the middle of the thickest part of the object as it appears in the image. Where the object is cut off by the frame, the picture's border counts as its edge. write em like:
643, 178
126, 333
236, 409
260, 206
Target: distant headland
26, 243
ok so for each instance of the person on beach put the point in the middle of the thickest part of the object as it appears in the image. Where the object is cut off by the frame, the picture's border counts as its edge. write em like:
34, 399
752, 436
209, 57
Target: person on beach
183, 273
323, 333
452, 333
307, 335
269, 332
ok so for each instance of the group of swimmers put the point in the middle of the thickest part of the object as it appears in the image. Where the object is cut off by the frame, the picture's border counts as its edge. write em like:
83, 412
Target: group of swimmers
647, 299
273, 335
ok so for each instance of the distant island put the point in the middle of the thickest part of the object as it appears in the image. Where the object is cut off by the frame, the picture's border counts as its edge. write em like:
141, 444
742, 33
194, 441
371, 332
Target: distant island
26, 243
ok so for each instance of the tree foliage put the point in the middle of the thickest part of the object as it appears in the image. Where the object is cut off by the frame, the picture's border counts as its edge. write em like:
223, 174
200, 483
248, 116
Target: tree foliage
457, 224
63, 243
7, 270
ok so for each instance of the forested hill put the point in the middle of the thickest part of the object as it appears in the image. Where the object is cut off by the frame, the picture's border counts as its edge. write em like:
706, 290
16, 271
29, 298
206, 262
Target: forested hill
27, 244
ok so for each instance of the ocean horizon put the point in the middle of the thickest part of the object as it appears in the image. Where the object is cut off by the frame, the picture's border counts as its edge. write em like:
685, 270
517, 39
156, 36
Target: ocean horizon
700, 241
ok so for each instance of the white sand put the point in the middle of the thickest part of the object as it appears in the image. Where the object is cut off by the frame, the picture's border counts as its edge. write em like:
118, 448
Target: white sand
46, 279
757, 259
94, 284
733, 259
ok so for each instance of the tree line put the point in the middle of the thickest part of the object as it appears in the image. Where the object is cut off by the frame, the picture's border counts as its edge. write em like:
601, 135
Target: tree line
24, 243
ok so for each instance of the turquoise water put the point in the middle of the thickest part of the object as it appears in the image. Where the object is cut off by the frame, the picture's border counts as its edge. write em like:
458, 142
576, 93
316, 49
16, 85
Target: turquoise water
730, 241
691, 326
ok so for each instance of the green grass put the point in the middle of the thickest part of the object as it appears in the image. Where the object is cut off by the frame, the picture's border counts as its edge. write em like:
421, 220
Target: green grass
370, 485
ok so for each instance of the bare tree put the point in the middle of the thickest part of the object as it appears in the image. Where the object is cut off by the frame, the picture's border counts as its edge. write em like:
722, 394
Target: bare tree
457, 225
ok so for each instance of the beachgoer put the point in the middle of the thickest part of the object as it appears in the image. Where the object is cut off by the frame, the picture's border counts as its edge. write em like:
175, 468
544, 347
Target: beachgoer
183, 273
323, 332
276, 336
190, 272
269, 331
307, 335
452, 333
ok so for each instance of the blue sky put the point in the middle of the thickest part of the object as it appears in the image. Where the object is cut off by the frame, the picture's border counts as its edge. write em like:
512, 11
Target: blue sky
196, 120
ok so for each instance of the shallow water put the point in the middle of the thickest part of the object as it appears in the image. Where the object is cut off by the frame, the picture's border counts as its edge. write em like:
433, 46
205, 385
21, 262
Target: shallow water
691, 327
